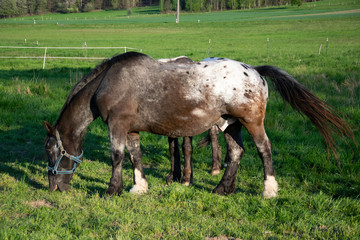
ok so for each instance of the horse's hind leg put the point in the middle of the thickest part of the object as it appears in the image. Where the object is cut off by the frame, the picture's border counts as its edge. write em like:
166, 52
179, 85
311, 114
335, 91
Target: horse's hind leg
133, 146
235, 152
187, 151
263, 145
216, 150
175, 174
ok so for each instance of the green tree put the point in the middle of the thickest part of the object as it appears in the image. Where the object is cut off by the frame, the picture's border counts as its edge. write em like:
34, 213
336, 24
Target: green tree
296, 2
195, 5
8, 8
21, 7
232, 4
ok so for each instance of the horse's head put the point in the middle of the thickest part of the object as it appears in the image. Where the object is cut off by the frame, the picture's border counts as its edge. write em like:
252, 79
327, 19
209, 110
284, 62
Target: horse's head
61, 164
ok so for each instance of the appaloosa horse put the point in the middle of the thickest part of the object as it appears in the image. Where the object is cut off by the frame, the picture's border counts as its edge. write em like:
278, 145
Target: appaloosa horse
133, 92
211, 138
187, 148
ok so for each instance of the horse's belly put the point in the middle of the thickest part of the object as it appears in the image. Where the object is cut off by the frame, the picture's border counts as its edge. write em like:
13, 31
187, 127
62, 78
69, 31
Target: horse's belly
180, 130
192, 123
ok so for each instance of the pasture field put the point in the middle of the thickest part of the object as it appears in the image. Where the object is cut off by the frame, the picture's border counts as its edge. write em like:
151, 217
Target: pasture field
317, 200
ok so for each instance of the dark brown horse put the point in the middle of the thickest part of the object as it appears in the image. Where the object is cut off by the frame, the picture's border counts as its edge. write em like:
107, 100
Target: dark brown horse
133, 92
187, 149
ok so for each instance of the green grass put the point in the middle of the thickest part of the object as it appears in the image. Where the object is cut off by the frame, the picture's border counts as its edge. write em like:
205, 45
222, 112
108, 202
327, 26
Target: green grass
316, 200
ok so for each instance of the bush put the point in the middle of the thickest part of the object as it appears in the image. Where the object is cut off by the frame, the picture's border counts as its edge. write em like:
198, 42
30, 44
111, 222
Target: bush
61, 7
296, 2
8, 8
88, 7
73, 9
194, 5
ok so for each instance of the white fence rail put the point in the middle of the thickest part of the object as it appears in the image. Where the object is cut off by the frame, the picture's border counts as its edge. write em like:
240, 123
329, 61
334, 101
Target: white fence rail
84, 47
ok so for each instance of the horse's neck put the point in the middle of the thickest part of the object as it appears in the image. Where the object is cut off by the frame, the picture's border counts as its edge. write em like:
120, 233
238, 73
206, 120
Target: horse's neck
76, 117
72, 127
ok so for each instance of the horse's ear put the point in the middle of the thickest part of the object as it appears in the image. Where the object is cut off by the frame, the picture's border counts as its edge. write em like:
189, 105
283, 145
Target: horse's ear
50, 129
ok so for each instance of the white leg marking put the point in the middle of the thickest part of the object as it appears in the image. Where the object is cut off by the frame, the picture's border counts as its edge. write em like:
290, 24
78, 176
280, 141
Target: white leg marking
226, 123
215, 172
141, 185
186, 184
270, 187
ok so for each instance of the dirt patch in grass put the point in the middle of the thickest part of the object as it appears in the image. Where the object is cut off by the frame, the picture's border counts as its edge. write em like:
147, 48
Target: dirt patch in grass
39, 203
222, 238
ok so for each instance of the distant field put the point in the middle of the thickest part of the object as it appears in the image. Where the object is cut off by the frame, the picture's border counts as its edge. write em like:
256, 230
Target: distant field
317, 200
152, 15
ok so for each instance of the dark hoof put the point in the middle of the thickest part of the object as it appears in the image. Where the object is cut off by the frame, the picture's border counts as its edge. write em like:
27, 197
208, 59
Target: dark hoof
112, 190
173, 178
169, 179
221, 189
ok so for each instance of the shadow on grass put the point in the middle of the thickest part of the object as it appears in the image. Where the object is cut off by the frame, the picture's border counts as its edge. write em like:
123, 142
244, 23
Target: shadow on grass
20, 153
272, 8
20, 175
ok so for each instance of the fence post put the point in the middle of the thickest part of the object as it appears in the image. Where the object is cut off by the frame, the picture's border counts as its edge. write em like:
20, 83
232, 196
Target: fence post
320, 49
85, 48
327, 43
44, 58
125, 49
209, 48
268, 40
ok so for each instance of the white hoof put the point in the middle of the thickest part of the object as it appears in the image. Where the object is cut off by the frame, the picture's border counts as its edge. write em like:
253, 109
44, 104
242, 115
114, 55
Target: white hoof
215, 172
270, 188
186, 184
138, 189
141, 185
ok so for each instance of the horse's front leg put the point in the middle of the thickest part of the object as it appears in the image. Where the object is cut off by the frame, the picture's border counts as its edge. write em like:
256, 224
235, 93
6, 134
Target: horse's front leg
235, 152
118, 141
175, 173
133, 146
187, 151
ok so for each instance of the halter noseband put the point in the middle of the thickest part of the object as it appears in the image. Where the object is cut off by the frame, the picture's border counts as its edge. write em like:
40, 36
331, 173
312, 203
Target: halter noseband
77, 159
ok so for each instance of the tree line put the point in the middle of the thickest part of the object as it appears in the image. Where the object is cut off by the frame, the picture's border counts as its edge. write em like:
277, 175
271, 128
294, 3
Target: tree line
220, 5
11, 8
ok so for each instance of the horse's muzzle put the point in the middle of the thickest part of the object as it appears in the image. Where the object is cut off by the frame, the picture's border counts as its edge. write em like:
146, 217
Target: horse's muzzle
55, 185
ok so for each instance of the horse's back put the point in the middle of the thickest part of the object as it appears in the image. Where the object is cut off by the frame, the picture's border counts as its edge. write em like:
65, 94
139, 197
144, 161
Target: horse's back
178, 99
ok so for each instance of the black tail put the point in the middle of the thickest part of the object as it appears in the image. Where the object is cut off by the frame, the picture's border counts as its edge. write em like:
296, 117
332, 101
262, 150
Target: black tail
321, 114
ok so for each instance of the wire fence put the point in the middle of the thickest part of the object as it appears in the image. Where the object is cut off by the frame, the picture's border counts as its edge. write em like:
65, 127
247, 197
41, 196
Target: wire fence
42, 52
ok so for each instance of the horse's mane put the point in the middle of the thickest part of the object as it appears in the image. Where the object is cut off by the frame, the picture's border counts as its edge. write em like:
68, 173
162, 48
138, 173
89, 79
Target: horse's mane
107, 63
97, 71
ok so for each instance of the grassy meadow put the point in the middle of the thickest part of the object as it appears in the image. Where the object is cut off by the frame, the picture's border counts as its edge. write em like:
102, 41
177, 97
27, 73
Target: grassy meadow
316, 199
